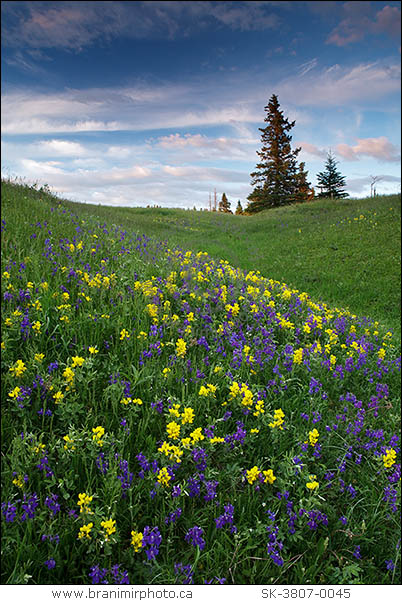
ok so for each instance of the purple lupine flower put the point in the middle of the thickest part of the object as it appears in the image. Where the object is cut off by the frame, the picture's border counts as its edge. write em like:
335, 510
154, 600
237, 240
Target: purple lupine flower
200, 458
211, 490
357, 553
194, 487
176, 491
186, 571
151, 541
9, 511
52, 504
194, 537
390, 565
29, 506
51, 563
173, 516
98, 575
226, 518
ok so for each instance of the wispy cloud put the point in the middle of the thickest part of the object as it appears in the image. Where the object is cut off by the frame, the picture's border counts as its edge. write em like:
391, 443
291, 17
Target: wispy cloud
75, 25
360, 21
360, 84
308, 66
378, 148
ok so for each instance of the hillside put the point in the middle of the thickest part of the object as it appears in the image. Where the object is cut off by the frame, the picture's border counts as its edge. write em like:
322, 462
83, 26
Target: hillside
169, 418
346, 253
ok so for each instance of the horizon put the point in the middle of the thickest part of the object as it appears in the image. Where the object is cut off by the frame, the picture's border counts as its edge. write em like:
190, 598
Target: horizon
155, 103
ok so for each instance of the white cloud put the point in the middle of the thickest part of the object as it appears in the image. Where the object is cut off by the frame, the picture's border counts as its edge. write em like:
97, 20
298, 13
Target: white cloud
64, 148
362, 84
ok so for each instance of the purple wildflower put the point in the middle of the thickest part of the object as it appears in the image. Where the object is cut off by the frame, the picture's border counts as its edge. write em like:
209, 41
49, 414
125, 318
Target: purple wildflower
194, 537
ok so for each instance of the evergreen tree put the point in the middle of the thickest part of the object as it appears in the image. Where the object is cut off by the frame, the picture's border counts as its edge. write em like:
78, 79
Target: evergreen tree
275, 175
224, 204
303, 187
331, 181
239, 209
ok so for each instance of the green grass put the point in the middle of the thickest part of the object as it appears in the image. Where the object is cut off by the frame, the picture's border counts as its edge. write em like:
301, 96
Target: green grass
346, 253
95, 315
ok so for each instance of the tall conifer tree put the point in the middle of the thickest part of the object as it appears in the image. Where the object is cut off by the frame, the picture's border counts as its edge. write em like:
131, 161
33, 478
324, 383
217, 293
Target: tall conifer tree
331, 182
274, 178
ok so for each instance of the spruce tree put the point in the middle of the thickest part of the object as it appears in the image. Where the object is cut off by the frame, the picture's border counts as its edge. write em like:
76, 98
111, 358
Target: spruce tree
303, 187
239, 209
224, 205
275, 175
331, 181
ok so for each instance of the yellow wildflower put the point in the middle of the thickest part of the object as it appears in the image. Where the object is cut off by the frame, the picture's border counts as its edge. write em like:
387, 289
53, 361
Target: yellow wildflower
136, 540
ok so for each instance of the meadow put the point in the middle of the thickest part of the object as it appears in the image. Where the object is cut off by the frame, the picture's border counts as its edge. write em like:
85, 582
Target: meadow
175, 411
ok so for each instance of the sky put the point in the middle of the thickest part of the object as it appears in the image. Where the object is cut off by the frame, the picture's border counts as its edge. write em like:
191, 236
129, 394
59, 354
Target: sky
160, 103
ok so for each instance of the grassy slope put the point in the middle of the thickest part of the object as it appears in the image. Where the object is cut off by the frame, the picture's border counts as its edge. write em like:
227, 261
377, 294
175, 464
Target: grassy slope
344, 253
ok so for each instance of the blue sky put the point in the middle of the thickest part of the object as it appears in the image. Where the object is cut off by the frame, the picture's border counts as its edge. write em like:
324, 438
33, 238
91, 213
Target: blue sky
136, 103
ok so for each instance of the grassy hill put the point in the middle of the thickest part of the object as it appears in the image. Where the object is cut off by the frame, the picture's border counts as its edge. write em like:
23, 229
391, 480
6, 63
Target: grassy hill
169, 418
345, 253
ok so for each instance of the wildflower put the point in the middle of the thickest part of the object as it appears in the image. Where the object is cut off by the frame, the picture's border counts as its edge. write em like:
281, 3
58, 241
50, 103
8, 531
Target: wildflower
77, 361
298, 356
194, 537
51, 563
269, 476
69, 375
14, 393
389, 458
197, 435
173, 430
124, 334
186, 571
36, 326
181, 348
312, 484
85, 531
83, 502
18, 369
58, 397
151, 541
99, 431
109, 526
313, 437
187, 416
252, 474
29, 506
93, 350
38, 357
52, 503
278, 419
164, 477
9, 511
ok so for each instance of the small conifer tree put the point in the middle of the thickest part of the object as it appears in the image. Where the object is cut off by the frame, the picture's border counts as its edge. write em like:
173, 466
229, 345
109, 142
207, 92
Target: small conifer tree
224, 205
239, 209
331, 182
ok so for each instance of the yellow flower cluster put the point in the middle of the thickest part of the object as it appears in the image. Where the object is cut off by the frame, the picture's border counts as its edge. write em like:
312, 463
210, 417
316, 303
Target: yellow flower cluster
312, 483
136, 540
98, 433
254, 473
313, 437
278, 419
109, 526
83, 502
389, 458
